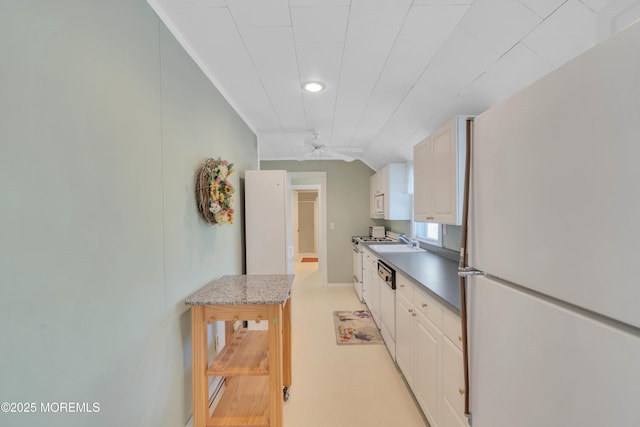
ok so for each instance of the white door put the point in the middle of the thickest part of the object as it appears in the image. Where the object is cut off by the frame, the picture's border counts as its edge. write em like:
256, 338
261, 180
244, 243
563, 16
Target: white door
307, 227
421, 204
535, 363
405, 338
555, 183
442, 165
427, 387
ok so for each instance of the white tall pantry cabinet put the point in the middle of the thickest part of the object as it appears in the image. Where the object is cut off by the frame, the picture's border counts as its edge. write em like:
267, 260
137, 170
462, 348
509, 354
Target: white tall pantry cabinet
438, 165
268, 222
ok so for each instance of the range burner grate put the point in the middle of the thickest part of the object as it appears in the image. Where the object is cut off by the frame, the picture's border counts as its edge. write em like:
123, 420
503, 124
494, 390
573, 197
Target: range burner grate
372, 239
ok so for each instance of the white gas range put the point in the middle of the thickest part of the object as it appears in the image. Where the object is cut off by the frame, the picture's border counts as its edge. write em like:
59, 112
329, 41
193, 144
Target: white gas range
357, 259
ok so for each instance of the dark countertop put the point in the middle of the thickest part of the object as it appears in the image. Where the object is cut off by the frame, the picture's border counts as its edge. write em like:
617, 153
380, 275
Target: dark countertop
435, 273
244, 289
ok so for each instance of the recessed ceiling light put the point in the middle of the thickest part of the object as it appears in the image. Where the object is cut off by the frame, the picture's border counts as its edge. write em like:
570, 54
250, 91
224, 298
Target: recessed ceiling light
313, 86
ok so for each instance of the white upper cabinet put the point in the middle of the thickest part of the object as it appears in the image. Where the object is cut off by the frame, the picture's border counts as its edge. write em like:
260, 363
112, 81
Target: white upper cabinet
375, 190
390, 198
438, 174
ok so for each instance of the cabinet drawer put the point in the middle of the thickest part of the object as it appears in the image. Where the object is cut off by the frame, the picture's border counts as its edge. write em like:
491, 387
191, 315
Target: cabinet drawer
368, 257
428, 306
404, 287
452, 328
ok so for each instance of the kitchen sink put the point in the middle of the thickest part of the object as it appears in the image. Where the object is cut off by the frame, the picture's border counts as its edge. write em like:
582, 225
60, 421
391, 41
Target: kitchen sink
390, 248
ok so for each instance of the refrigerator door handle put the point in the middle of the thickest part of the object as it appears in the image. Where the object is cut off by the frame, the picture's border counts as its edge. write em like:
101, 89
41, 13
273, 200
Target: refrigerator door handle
463, 268
470, 271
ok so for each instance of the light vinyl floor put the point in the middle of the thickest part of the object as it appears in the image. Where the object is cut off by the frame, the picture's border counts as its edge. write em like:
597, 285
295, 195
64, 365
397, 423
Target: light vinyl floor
339, 386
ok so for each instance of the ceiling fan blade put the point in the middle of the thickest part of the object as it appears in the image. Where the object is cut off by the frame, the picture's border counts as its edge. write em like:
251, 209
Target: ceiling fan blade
311, 143
345, 149
336, 155
307, 156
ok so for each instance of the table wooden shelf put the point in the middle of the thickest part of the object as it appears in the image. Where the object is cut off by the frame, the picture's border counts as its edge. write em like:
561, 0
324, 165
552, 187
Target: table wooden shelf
256, 364
245, 403
245, 353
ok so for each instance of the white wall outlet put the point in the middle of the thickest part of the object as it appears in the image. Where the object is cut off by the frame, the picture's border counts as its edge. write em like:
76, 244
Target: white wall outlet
332, 226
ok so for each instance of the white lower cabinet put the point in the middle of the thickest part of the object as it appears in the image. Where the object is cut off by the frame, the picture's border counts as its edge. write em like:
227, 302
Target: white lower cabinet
405, 334
448, 416
452, 404
370, 285
427, 355
427, 387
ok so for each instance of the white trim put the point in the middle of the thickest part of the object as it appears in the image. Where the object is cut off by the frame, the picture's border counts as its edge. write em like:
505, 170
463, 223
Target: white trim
216, 389
322, 216
175, 31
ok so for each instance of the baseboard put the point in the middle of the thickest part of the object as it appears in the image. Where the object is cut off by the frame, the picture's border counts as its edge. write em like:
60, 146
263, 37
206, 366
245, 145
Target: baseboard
339, 285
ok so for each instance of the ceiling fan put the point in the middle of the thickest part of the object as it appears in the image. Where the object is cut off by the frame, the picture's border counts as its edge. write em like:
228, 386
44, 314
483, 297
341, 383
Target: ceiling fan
318, 149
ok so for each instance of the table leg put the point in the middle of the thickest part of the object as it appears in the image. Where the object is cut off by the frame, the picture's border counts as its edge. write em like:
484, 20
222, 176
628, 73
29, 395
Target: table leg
199, 341
275, 365
286, 345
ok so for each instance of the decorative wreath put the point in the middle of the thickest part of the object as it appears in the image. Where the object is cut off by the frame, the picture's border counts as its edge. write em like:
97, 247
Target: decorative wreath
214, 193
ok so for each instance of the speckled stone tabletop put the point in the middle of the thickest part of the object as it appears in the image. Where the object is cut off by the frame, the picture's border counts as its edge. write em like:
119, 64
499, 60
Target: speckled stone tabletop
245, 289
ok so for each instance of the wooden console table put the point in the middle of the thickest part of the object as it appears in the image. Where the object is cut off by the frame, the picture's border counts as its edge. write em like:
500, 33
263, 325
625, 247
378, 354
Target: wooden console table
255, 363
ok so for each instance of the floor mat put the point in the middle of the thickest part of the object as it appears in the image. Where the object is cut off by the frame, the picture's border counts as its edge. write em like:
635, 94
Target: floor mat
355, 327
309, 260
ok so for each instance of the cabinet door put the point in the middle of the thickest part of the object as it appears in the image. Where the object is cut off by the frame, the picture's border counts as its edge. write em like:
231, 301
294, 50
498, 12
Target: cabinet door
448, 416
405, 331
438, 174
366, 284
453, 378
421, 204
443, 166
366, 277
427, 380
372, 195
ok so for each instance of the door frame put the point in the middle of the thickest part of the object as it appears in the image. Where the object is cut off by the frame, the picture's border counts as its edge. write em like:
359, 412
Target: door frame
321, 224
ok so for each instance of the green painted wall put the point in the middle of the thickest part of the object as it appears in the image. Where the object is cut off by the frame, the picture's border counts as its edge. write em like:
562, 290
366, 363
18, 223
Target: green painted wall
347, 207
104, 120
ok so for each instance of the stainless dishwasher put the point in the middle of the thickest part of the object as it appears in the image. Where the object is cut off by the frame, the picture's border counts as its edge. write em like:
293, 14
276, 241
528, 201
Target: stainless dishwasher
387, 284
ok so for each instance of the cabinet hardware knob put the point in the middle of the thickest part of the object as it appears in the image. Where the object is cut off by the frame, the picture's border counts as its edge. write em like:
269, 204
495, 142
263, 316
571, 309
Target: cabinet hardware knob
461, 391
424, 305
459, 338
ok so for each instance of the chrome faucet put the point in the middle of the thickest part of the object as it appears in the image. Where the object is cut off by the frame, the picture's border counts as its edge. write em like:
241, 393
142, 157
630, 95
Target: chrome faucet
414, 243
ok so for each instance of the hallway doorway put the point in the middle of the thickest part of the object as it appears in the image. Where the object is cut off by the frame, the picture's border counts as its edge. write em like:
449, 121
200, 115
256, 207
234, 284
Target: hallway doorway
308, 213
307, 229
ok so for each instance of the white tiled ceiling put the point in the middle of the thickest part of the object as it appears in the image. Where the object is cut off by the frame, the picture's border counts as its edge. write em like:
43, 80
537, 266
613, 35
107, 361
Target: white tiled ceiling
570, 29
516, 21
394, 70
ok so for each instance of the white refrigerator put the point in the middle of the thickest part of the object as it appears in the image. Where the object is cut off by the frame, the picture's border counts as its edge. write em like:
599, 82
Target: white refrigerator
554, 222
269, 248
